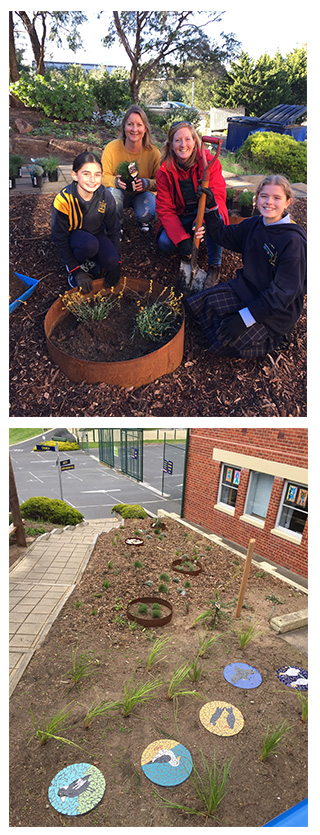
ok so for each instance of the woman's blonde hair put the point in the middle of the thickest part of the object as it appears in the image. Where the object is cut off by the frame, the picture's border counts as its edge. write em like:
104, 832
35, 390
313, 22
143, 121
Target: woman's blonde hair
276, 180
134, 108
168, 154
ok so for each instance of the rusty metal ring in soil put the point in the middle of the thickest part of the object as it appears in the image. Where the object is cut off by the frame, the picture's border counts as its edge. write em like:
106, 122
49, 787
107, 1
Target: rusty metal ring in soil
133, 372
193, 572
147, 621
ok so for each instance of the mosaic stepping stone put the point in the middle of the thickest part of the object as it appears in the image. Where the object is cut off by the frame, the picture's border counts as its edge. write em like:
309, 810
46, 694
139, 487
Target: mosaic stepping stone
77, 789
242, 675
221, 718
294, 677
166, 762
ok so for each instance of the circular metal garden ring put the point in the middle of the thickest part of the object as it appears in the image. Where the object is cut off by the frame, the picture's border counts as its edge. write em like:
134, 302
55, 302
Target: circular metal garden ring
195, 571
135, 372
147, 621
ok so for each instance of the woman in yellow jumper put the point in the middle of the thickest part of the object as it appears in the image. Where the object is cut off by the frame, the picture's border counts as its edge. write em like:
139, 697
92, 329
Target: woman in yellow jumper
134, 146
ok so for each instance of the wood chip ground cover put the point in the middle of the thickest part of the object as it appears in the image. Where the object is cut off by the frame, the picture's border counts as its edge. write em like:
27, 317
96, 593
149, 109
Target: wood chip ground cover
203, 385
94, 620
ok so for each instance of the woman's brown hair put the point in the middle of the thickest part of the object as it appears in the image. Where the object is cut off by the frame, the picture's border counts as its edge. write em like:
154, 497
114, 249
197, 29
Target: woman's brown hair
276, 180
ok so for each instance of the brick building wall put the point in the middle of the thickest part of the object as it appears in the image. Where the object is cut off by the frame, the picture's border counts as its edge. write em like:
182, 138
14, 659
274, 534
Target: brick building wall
282, 453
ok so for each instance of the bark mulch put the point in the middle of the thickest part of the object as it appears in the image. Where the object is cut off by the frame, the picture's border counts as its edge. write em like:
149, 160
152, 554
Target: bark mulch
94, 621
203, 385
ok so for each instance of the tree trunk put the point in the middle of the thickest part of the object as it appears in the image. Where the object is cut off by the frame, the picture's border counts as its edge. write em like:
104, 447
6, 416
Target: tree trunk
15, 508
13, 64
37, 48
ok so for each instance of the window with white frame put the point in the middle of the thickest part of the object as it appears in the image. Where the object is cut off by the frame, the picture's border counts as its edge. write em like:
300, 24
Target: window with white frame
293, 511
258, 496
229, 483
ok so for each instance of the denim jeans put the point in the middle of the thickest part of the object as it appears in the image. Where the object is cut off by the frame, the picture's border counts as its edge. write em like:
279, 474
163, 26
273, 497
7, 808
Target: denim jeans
143, 203
214, 250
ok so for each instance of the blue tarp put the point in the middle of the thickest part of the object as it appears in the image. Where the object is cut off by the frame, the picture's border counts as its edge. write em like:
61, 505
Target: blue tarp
296, 816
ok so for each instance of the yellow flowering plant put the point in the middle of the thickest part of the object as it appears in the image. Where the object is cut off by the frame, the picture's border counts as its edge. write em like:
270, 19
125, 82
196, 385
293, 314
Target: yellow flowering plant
158, 320
95, 307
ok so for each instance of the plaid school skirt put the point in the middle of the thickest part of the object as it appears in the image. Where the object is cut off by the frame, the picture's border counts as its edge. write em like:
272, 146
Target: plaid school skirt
210, 306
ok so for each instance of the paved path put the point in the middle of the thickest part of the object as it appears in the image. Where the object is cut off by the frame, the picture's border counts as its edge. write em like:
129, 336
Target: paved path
40, 583
24, 184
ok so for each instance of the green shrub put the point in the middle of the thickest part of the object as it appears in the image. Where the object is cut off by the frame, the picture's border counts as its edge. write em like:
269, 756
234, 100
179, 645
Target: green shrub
129, 511
111, 90
279, 153
60, 95
50, 510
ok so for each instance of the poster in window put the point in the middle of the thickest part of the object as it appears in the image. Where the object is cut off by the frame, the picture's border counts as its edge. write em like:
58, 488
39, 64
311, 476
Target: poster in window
292, 493
302, 497
229, 475
236, 477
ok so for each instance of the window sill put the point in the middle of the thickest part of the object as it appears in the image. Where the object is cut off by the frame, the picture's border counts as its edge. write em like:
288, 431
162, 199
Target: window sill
224, 509
257, 523
288, 535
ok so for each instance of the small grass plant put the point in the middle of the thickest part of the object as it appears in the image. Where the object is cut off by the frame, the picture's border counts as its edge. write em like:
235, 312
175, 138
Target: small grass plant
96, 307
82, 666
154, 654
246, 632
209, 787
158, 320
272, 740
135, 694
46, 730
303, 700
206, 643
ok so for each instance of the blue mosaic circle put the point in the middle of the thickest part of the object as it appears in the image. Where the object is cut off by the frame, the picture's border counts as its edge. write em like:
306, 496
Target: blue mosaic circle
77, 789
294, 677
242, 675
166, 762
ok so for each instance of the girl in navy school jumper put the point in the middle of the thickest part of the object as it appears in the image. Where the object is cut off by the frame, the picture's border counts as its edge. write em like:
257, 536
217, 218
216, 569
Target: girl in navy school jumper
248, 315
85, 226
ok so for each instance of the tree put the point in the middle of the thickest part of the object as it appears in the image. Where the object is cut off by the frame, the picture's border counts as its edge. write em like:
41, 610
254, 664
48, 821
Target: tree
58, 24
263, 84
152, 39
13, 63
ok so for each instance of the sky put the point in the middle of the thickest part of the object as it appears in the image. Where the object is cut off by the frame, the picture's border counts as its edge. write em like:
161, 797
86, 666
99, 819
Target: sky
260, 28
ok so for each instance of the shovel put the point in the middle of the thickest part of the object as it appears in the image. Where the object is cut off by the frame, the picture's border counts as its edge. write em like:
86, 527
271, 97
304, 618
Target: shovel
191, 275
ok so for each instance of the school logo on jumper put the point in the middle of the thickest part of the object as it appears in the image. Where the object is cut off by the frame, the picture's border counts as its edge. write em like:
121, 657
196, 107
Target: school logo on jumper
102, 207
272, 252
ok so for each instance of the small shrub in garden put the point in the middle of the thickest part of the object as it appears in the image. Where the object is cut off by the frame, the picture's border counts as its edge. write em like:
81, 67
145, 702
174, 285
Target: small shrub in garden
60, 95
272, 739
163, 589
303, 700
279, 153
156, 610
143, 609
130, 511
50, 510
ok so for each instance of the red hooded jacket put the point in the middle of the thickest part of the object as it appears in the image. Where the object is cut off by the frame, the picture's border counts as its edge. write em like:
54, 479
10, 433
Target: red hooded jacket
169, 201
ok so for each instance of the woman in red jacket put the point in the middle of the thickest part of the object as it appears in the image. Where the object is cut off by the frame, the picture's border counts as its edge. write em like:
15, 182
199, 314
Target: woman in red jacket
177, 180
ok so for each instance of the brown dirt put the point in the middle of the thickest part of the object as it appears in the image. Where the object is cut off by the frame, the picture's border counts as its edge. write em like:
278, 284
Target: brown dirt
202, 386
110, 340
94, 619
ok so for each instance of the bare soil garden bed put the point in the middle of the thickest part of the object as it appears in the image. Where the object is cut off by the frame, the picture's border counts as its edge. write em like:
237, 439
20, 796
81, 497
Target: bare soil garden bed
201, 386
94, 620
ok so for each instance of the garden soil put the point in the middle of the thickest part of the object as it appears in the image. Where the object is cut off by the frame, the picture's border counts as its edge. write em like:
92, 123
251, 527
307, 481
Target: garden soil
94, 621
203, 385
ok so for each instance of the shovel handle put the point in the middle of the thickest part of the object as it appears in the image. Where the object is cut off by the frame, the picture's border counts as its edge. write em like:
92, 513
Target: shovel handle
205, 183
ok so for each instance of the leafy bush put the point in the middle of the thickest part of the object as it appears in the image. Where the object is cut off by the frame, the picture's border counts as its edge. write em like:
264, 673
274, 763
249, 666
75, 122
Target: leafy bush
279, 153
130, 511
50, 510
110, 90
60, 95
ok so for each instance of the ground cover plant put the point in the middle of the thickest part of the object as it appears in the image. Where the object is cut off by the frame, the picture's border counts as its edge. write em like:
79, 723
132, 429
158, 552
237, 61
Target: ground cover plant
203, 385
128, 657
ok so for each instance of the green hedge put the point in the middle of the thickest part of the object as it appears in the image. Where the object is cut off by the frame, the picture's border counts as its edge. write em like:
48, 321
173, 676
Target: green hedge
130, 511
60, 95
50, 510
279, 153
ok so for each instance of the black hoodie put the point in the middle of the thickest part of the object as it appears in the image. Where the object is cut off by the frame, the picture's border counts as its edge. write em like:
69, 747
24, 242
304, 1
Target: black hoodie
273, 280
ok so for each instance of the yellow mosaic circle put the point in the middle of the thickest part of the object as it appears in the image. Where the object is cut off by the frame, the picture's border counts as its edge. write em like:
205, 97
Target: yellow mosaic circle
221, 718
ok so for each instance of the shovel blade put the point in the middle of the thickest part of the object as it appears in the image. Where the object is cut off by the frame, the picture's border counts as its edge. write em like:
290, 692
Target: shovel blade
193, 283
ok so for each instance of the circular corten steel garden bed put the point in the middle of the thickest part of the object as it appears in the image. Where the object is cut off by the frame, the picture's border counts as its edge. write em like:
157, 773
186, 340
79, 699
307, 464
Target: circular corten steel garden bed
134, 372
147, 620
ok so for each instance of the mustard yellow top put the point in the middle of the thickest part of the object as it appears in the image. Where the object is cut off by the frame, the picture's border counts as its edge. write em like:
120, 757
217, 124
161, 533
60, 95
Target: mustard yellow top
148, 161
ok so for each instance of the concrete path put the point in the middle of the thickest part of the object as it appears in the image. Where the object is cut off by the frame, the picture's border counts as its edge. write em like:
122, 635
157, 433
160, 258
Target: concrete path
24, 184
41, 582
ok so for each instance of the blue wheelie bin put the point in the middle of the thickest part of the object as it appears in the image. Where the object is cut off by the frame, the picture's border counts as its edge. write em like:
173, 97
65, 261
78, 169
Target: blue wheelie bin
280, 119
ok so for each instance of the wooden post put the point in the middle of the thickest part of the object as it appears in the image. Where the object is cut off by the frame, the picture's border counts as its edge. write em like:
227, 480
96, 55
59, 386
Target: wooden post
15, 508
245, 576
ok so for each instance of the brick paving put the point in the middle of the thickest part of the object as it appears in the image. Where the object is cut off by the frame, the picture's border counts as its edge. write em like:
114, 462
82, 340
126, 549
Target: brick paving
40, 583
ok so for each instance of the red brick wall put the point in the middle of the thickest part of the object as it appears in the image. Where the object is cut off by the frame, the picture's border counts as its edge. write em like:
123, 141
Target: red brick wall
288, 446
